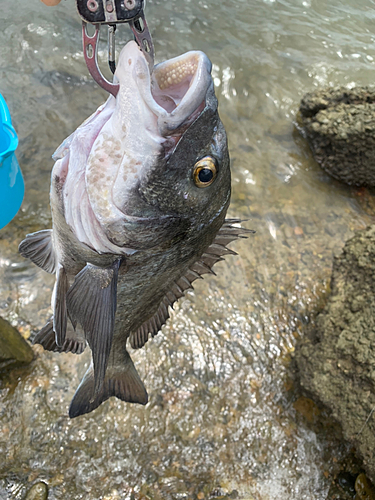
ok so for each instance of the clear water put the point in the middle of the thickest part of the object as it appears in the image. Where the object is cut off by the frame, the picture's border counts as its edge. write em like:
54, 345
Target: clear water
223, 415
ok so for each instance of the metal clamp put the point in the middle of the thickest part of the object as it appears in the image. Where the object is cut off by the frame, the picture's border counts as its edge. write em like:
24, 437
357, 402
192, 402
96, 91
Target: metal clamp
109, 11
112, 12
90, 52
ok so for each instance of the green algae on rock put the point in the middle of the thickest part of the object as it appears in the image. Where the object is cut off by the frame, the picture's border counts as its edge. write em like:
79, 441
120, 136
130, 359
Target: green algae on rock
336, 361
339, 124
14, 350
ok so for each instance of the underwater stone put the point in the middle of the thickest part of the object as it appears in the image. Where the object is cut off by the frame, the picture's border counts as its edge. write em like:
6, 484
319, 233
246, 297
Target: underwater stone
38, 491
14, 350
339, 124
336, 359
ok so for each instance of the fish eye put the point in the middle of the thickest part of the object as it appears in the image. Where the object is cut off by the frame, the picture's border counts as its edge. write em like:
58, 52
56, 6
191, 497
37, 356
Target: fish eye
205, 171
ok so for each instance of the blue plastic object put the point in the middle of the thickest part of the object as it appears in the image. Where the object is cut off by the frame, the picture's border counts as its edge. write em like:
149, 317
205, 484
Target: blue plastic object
12, 187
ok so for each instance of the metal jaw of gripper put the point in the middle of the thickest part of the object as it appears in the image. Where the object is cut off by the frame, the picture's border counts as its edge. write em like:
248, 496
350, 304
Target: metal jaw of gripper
112, 12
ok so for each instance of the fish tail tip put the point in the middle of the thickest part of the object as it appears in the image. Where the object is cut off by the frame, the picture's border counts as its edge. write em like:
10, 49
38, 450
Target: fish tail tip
124, 384
75, 411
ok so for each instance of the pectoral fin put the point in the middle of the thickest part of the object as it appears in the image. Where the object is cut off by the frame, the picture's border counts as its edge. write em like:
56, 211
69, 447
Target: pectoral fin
91, 301
38, 248
124, 383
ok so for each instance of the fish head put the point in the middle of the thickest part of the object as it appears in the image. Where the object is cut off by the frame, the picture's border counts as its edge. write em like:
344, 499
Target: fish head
159, 166
184, 178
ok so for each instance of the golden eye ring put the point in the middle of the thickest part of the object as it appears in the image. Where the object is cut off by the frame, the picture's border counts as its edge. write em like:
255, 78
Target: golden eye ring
205, 172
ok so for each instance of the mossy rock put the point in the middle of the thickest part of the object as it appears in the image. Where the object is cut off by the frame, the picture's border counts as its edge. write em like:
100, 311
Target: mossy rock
336, 358
339, 124
14, 350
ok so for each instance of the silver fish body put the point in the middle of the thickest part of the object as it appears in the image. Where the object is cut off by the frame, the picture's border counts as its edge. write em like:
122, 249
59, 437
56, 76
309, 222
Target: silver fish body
139, 194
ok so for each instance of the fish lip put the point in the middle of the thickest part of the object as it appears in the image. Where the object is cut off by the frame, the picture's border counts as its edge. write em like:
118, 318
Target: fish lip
174, 91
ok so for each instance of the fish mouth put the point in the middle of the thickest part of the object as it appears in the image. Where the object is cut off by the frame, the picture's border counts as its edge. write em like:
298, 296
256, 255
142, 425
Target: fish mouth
175, 92
182, 83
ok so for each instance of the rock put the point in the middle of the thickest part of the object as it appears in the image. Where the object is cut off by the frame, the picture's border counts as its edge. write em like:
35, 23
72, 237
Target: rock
14, 350
39, 491
364, 489
336, 359
339, 125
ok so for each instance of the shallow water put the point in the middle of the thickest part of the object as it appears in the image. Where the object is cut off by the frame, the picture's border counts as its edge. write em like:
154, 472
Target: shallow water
223, 416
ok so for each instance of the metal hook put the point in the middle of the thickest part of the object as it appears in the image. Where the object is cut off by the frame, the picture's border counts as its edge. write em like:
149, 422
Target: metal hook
90, 52
143, 37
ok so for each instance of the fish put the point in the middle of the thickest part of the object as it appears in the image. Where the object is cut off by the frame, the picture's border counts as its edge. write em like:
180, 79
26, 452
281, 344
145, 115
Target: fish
139, 195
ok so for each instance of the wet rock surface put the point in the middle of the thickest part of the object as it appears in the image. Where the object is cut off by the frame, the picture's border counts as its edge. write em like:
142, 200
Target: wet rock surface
340, 126
14, 350
336, 361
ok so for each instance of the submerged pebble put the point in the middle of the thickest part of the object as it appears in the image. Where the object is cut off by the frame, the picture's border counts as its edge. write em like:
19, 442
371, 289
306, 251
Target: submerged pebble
39, 491
364, 488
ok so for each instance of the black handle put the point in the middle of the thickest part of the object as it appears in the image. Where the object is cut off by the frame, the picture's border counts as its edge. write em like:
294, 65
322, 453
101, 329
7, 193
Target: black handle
109, 11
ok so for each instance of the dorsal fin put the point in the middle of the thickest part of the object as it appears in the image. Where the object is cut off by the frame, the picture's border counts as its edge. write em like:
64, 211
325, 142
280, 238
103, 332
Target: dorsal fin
38, 248
151, 326
214, 253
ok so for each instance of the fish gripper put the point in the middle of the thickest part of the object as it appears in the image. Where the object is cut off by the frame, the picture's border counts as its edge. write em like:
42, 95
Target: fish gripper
111, 13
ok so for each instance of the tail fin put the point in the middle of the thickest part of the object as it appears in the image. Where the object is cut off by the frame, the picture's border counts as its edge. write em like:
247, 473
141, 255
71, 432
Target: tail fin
122, 382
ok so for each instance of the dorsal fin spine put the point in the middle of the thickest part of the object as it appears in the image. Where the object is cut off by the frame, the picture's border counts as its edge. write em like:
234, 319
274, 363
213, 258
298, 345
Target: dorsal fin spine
220, 250
184, 283
164, 309
177, 290
167, 301
201, 268
192, 275
213, 254
171, 296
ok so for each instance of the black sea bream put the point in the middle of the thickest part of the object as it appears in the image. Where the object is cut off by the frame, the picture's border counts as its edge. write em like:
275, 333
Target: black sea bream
139, 194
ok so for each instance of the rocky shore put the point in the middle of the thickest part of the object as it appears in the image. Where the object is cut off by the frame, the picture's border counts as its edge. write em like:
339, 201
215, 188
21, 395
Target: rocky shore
336, 359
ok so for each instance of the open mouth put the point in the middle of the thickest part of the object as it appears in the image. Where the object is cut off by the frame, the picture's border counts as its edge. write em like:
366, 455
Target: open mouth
176, 90
172, 80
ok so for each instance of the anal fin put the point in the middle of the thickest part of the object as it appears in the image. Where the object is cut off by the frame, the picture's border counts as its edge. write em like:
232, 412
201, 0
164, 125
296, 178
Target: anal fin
91, 301
123, 383
39, 249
